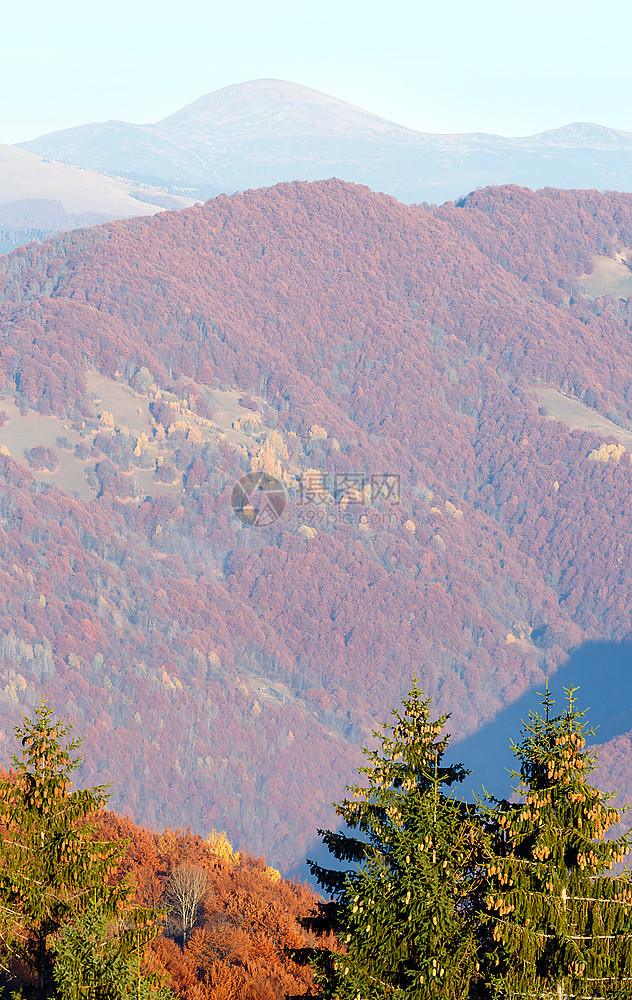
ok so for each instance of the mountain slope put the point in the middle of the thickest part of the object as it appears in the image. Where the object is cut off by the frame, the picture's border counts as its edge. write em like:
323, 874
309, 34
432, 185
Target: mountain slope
265, 131
337, 340
40, 196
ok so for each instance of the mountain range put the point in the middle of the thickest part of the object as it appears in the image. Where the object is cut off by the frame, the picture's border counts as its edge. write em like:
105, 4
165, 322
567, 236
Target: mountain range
266, 131
443, 398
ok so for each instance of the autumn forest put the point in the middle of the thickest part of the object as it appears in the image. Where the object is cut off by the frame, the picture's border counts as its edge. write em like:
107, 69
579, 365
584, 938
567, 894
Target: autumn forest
476, 355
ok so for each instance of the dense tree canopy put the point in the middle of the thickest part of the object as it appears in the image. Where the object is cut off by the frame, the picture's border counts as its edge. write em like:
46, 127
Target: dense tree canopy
93, 906
373, 337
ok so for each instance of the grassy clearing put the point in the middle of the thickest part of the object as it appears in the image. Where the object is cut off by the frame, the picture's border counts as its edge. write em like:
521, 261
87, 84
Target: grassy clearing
610, 276
577, 416
130, 416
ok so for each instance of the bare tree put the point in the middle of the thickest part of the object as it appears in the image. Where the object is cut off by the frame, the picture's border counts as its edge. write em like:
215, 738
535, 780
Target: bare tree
184, 895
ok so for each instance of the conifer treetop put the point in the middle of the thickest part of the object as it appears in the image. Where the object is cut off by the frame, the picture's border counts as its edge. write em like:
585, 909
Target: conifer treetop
408, 758
400, 914
43, 773
559, 919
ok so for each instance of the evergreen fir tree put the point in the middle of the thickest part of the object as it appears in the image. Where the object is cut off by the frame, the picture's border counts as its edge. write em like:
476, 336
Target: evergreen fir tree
402, 916
52, 869
556, 923
90, 962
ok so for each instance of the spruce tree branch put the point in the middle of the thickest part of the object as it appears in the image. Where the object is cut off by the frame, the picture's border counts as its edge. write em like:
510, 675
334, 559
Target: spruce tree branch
566, 937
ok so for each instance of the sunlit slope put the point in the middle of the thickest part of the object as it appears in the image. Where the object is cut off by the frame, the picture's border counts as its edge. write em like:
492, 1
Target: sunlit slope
39, 196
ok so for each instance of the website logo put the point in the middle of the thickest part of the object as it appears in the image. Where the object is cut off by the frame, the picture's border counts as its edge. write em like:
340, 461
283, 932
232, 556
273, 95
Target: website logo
258, 499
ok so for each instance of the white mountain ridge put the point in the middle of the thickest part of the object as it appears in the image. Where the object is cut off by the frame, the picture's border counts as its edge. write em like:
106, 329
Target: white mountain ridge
40, 196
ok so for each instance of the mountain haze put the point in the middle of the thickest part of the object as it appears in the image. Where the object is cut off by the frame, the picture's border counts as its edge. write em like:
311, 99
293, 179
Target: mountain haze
265, 131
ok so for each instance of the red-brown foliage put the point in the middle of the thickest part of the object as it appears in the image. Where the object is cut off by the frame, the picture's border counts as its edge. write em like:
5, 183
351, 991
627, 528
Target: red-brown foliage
225, 676
239, 948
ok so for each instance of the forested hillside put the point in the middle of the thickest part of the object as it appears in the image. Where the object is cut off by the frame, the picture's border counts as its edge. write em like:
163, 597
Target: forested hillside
225, 675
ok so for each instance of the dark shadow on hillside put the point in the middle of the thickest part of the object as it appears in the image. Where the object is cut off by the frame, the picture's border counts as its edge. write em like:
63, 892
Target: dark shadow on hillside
603, 673
318, 852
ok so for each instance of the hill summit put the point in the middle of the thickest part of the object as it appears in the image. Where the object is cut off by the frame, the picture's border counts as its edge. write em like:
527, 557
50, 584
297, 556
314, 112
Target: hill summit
284, 108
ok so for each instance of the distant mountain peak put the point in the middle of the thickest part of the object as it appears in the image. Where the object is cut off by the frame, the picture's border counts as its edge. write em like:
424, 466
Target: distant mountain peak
583, 135
282, 106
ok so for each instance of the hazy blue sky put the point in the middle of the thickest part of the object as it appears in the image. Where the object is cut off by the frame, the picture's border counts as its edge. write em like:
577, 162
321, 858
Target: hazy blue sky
507, 67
